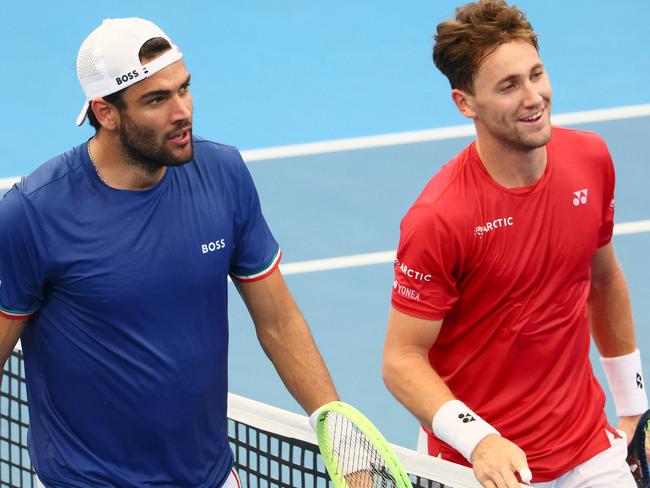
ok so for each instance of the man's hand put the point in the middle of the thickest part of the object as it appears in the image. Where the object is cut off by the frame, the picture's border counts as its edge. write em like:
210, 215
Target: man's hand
495, 460
628, 425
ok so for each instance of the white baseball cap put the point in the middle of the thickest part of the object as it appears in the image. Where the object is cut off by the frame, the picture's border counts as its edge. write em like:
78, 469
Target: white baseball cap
109, 61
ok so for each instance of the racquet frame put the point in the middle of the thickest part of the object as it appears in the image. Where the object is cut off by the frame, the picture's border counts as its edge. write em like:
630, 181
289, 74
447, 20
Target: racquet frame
371, 433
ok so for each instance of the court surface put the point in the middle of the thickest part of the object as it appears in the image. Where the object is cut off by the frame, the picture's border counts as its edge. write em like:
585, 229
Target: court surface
299, 72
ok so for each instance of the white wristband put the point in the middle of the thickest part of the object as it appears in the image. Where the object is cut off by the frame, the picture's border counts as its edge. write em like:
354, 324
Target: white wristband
625, 379
460, 427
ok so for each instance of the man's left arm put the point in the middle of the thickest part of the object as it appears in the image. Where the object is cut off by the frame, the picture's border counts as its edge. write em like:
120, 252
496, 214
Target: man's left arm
610, 318
287, 341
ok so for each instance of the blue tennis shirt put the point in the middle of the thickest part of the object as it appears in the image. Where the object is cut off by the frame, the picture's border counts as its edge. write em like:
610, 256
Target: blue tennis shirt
126, 294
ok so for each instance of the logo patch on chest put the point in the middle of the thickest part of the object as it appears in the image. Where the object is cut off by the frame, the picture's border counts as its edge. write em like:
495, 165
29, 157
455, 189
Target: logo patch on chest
580, 197
481, 230
213, 246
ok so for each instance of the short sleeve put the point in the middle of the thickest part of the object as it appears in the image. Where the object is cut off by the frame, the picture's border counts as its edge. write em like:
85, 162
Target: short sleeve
21, 266
427, 257
256, 253
607, 225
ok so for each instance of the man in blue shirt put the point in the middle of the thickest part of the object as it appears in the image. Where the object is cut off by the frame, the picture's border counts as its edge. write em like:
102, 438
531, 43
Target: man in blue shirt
113, 272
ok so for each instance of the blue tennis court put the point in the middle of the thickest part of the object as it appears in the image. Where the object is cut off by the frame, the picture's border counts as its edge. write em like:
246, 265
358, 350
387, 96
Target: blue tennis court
298, 72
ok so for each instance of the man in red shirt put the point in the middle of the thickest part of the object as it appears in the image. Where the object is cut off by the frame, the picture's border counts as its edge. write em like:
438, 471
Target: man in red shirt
505, 265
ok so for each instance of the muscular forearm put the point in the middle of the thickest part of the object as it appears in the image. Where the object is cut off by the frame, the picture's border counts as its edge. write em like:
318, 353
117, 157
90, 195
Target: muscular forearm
610, 315
610, 318
292, 350
406, 369
286, 339
410, 378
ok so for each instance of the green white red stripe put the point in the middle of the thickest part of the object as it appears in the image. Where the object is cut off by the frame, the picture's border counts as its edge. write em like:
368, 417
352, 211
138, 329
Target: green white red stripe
12, 314
263, 273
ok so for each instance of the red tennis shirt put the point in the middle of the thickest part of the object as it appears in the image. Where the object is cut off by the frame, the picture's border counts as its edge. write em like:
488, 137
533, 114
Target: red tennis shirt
509, 272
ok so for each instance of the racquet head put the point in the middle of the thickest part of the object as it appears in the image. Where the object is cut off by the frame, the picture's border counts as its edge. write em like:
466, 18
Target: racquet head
355, 453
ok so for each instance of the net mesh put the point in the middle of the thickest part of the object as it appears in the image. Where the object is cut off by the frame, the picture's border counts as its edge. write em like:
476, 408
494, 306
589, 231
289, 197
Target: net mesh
15, 466
272, 448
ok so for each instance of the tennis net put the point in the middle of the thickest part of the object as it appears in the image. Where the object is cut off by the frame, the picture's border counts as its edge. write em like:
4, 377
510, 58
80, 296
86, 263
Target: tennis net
273, 448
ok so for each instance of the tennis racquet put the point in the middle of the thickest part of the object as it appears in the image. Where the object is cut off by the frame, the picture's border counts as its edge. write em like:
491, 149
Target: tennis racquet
355, 454
638, 450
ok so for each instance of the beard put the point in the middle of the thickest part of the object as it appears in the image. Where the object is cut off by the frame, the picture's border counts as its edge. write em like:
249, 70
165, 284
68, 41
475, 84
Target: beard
522, 139
144, 148
526, 140
510, 132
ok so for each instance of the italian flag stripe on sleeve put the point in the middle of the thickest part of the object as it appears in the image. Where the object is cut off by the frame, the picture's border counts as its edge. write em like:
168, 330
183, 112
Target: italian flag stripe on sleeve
12, 314
263, 273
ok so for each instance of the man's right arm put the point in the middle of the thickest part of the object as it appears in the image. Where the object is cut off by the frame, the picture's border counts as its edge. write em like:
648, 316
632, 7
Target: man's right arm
410, 378
10, 330
406, 369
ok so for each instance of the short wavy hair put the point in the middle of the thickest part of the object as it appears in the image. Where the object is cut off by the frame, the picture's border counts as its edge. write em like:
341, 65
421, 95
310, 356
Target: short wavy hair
478, 29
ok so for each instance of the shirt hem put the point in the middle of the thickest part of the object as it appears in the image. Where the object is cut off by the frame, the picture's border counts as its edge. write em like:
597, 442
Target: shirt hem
275, 262
15, 315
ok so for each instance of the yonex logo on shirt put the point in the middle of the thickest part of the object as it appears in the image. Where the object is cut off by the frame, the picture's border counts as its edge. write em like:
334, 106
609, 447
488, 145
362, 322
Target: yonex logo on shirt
580, 197
639, 381
406, 292
481, 230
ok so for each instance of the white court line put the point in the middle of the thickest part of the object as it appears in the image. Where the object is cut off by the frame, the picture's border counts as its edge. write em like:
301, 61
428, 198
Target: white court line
632, 227
399, 138
338, 263
389, 256
6, 183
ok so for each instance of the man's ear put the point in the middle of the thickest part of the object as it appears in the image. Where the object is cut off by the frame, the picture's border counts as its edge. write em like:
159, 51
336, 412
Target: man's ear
464, 102
106, 114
